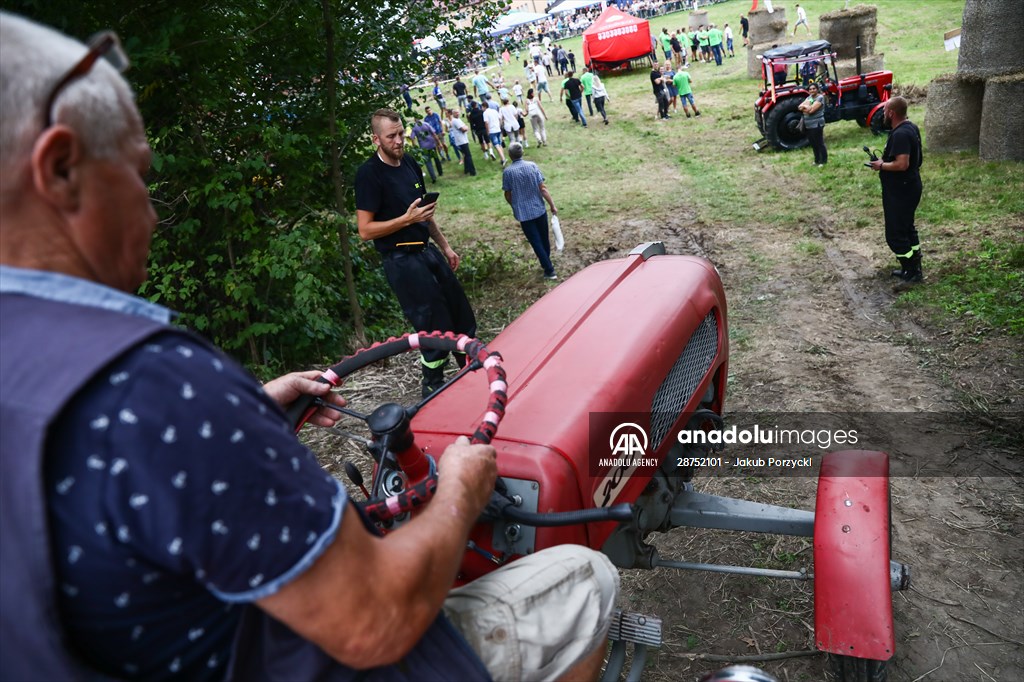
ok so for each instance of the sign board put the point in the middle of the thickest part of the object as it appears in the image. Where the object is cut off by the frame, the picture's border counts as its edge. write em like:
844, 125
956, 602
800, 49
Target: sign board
952, 40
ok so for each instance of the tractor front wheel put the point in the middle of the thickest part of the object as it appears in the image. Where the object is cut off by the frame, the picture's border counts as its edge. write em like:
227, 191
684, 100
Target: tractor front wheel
850, 669
878, 124
780, 126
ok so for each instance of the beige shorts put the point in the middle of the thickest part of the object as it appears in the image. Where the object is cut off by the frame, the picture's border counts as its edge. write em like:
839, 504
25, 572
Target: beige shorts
537, 617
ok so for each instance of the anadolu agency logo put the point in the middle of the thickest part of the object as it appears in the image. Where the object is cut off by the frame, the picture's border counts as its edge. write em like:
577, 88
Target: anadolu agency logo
627, 451
627, 440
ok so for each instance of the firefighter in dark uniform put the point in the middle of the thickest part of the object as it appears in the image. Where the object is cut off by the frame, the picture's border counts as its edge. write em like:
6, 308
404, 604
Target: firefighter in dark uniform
389, 209
899, 170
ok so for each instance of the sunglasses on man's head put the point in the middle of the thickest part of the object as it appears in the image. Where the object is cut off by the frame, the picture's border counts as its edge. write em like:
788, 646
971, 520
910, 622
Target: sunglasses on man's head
105, 44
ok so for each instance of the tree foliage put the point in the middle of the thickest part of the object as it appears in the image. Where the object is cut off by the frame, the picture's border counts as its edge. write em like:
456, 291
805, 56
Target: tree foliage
235, 99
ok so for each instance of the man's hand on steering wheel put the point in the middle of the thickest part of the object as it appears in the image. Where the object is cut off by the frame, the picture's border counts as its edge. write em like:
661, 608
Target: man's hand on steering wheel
286, 389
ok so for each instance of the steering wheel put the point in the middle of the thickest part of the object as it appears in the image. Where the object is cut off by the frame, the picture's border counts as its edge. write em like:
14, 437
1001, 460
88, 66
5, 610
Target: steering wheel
390, 423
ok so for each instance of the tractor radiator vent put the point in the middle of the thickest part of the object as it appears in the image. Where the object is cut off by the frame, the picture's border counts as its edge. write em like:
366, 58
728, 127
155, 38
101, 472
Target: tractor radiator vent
682, 380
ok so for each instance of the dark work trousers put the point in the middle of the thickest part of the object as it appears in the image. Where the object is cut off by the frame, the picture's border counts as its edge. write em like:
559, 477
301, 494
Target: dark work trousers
599, 103
429, 292
536, 232
590, 108
578, 105
572, 110
900, 197
430, 157
662, 98
816, 136
467, 167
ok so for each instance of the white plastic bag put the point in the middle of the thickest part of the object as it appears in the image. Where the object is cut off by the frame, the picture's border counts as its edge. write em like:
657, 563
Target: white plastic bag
556, 229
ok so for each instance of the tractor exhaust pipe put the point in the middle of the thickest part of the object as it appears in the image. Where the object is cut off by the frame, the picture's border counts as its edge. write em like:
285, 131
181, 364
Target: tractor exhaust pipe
859, 71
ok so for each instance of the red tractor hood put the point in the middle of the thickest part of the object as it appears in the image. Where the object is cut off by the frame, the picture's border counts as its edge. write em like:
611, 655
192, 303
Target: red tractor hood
603, 341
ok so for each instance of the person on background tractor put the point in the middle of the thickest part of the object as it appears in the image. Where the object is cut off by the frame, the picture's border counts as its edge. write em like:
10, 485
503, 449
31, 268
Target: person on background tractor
899, 172
160, 518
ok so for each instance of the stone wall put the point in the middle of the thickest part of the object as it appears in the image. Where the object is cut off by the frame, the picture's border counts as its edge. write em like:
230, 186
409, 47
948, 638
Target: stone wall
766, 30
1002, 119
697, 19
983, 105
841, 29
990, 38
953, 116
848, 67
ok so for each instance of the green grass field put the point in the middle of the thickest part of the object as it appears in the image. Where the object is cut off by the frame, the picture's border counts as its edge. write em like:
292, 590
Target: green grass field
971, 216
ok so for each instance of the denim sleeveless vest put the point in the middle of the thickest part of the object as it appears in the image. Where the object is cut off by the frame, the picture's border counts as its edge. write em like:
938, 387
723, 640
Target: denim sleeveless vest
50, 351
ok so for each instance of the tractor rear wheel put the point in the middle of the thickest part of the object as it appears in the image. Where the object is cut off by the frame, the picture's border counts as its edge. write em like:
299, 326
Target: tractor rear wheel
780, 126
850, 669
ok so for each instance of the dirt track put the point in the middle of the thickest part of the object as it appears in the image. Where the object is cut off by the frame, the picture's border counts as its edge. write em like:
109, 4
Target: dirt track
814, 335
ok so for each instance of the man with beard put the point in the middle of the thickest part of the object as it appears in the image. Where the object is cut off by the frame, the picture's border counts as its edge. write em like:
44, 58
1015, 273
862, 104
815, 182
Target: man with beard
391, 212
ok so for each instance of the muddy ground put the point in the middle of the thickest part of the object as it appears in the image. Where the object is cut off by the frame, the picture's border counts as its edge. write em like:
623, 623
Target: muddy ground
821, 334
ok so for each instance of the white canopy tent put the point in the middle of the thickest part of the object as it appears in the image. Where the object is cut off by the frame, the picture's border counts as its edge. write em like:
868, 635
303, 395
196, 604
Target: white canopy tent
509, 21
572, 5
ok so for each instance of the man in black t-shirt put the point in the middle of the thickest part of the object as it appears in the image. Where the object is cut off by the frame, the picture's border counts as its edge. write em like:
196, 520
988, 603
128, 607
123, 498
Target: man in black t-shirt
459, 88
745, 25
660, 88
389, 210
573, 90
899, 171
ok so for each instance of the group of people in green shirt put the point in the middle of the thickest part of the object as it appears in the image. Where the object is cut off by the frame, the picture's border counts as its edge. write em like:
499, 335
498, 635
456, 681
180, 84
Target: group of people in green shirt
707, 40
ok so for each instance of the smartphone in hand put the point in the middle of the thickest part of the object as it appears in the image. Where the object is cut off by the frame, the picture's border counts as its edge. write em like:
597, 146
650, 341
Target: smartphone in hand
429, 198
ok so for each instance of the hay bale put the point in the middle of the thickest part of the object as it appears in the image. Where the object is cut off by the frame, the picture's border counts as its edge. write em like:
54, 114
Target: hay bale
698, 18
842, 28
754, 53
848, 67
990, 37
768, 28
1002, 119
953, 117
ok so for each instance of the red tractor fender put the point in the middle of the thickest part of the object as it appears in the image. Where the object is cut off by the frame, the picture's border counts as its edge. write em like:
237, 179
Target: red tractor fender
852, 586
877, 107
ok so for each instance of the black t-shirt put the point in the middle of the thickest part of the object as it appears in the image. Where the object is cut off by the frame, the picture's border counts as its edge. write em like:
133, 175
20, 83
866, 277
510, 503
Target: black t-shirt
746, 26
476, 120
460, 88
655, 85
386, 192
904, 139
574, 87
674, 42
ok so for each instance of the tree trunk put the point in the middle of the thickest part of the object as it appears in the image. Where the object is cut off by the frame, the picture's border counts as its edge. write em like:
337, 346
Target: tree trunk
336, 177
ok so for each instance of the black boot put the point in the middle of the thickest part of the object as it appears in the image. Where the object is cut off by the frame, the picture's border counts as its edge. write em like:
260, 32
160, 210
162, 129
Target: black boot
433, 378
901, 271
912, 272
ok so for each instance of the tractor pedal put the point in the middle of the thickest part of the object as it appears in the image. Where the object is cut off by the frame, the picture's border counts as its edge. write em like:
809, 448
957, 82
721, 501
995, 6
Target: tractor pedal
629, 626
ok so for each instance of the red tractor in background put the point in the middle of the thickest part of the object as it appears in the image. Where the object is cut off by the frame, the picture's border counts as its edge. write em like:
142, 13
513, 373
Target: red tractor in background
859, 98
614, 388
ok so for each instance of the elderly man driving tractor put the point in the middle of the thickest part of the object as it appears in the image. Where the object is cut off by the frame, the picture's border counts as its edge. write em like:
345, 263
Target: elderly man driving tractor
159, 517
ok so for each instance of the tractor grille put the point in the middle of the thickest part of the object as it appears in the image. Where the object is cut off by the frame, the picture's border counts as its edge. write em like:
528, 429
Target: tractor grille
682, 380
